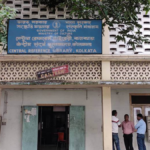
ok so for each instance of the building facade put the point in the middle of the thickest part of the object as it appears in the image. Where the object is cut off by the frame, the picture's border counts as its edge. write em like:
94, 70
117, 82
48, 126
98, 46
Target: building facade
118, 79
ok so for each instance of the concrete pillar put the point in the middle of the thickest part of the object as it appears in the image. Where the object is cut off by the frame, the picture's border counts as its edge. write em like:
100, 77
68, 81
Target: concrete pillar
107, 123
105, 42
1, 102
106, 70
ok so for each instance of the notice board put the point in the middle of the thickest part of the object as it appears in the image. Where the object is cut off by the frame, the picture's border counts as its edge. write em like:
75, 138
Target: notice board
54, 37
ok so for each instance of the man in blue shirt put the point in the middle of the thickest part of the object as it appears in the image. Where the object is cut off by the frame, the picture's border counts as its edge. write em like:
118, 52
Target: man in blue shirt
141, 129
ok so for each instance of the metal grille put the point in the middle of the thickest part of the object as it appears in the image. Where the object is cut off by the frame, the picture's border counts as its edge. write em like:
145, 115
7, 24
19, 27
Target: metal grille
26, 71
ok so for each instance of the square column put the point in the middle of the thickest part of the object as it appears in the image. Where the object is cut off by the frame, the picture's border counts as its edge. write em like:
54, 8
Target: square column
105, 41
1, 111
106, 70
107, 123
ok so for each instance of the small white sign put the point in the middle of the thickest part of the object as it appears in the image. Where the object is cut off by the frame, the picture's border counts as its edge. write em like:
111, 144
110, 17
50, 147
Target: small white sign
28, 118
137, 111
33, 111
147, 111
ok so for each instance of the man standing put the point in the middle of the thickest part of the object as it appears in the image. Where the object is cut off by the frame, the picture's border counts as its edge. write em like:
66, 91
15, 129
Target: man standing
141, 129
128, 129
115, 124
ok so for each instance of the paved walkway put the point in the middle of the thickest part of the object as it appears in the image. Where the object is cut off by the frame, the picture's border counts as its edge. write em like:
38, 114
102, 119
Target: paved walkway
50, 148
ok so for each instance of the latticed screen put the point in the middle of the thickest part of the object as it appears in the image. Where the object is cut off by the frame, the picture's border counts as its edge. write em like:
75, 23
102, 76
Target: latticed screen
28, 10
134, 71
121, 48
26, 71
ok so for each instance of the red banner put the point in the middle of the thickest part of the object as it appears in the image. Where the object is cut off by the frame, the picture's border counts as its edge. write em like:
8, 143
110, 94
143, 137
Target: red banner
60, 70
43, 74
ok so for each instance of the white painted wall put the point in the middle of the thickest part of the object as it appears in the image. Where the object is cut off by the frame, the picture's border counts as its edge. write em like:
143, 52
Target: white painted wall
10, 137
120, 102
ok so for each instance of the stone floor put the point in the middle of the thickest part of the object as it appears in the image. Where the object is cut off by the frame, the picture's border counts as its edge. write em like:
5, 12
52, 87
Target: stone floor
51, 148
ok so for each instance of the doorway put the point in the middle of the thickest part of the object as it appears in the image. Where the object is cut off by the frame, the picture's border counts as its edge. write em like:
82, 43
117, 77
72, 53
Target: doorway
37, 134
139, 104
53, 128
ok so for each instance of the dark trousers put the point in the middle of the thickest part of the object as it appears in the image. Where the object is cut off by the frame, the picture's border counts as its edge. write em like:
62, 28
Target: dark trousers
140, 141
128, 141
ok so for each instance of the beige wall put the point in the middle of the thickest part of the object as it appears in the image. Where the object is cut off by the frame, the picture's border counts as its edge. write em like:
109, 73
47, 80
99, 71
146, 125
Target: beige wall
10, 137
91, 99
120, 102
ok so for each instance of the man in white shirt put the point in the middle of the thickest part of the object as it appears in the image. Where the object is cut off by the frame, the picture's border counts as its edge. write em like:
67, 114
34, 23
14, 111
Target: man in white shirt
115, 124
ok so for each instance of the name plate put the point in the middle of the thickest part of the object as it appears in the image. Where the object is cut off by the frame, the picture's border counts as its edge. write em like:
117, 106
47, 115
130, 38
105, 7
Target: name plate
55, 37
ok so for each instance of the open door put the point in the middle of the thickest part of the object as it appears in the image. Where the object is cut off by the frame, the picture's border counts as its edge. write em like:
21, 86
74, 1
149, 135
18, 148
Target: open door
77, 128
30, 128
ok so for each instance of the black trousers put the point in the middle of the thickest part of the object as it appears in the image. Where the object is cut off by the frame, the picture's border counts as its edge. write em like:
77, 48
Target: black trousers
128, 141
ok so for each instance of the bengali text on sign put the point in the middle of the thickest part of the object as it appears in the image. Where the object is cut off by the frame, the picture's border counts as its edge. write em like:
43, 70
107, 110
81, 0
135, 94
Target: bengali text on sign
55, 37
